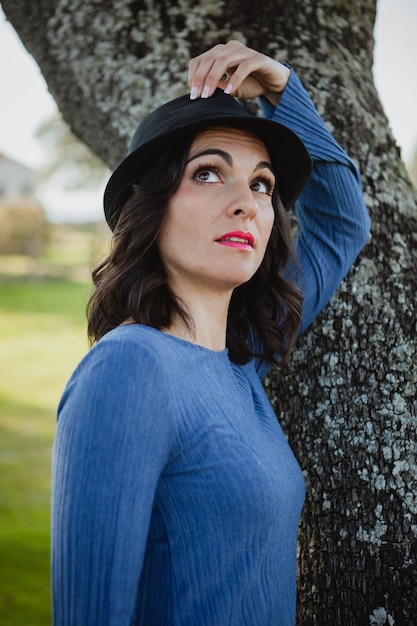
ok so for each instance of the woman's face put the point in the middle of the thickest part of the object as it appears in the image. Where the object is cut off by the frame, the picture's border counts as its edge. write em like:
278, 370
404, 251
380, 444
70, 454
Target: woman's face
219, 221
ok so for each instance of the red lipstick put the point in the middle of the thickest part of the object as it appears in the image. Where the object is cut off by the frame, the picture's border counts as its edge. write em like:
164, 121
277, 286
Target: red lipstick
237, 239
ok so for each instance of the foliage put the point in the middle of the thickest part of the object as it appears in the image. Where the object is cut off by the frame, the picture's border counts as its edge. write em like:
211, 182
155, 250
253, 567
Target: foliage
69, 159
23, 228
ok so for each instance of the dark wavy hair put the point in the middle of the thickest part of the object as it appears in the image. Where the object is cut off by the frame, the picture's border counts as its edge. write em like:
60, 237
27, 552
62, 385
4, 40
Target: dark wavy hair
264, 313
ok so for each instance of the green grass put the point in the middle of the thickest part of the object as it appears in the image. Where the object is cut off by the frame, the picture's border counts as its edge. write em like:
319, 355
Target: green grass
42, 337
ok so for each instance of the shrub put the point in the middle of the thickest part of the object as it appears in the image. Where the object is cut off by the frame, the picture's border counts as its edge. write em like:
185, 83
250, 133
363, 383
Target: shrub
23, 229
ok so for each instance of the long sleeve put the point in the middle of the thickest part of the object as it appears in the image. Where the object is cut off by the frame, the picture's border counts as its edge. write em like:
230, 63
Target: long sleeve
112, 441
333, 220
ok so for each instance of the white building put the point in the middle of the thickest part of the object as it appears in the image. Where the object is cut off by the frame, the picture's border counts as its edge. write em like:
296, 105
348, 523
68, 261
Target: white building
17, 182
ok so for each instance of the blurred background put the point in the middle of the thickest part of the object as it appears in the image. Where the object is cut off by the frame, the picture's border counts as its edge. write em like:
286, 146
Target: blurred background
51, 232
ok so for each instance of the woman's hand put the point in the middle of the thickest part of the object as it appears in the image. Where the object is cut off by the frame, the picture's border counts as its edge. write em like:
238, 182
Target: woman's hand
237, 70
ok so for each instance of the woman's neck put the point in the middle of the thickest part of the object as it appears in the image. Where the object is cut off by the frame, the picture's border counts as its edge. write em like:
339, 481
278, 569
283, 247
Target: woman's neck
208, 321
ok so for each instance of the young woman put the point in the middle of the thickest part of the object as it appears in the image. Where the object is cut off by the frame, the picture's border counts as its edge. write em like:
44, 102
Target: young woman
176, 497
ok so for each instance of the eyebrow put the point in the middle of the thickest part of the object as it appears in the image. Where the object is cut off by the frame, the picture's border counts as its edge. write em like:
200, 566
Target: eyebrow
228, 159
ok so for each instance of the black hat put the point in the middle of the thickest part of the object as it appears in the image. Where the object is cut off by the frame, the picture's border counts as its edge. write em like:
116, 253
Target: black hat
182, 117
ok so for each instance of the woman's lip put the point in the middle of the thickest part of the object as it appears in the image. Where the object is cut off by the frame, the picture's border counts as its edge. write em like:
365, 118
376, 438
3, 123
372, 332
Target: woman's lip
237, 237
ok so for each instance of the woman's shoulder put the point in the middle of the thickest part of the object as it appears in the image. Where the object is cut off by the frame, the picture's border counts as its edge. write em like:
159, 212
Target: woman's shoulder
125, 361
121, 351
131, 346
121, 386
137, 354
143, 348
136, 336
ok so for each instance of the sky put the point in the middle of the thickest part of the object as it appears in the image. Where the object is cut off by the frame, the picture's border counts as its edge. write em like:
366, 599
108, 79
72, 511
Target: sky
25, 101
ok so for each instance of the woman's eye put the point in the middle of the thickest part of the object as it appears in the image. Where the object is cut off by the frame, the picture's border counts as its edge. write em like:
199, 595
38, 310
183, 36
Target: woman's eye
263, 186
206, 175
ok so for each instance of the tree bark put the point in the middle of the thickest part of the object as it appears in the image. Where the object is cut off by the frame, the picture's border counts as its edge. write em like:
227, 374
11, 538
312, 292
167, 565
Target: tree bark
347, 399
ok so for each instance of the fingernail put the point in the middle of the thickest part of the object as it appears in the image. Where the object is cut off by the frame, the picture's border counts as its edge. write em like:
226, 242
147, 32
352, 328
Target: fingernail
229, 89
193, 94
206, 91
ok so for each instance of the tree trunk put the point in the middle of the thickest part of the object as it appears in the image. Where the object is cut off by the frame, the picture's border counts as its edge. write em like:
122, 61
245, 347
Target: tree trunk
348, 397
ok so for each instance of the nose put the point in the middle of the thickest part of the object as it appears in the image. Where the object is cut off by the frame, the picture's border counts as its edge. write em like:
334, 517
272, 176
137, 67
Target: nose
243, 202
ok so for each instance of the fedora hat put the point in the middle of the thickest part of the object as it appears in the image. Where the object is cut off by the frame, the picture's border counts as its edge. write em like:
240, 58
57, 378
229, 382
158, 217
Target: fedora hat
183, 117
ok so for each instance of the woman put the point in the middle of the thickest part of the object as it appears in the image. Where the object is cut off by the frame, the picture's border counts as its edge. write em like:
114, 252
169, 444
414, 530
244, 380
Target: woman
176, 497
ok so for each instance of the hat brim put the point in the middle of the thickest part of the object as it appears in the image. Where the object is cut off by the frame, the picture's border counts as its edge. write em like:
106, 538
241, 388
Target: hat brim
290, 159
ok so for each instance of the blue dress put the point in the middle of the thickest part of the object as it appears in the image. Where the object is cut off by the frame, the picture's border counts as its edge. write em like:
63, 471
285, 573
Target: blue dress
176, 497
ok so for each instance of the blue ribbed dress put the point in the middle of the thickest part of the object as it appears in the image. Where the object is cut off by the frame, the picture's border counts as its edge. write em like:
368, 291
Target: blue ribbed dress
176, 497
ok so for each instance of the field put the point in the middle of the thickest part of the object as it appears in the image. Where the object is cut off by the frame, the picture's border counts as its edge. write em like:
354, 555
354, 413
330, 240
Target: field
42, 337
